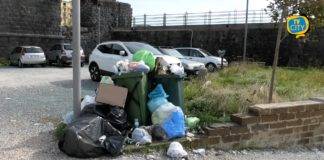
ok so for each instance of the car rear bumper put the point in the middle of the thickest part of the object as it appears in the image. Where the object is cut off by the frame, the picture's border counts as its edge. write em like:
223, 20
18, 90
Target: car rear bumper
33, 61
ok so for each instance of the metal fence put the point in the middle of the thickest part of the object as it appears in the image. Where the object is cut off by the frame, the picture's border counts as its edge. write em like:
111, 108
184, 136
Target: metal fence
204, 18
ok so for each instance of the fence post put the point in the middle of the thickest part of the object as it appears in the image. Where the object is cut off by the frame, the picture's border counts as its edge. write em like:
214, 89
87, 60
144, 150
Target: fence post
205, 18
144, 20
185, 19
210, 17
235, 16
229, 18
134, 21
261, 16
164, 20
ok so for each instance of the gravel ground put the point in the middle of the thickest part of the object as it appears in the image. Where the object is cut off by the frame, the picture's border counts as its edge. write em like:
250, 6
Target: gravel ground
33, 100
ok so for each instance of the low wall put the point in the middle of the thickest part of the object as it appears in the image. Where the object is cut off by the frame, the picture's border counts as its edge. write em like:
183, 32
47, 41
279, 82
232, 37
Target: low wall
277, 125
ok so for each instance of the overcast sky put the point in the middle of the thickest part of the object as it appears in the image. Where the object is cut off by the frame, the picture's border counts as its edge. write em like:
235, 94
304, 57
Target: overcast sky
141, 7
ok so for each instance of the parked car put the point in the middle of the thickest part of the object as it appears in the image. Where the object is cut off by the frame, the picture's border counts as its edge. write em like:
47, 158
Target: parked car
190, 67
61, 54
211, 62
27, 55
105, 56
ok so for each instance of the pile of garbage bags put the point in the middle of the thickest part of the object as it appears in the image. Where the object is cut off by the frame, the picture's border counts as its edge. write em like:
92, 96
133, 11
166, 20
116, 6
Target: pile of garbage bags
103, 127
99, 130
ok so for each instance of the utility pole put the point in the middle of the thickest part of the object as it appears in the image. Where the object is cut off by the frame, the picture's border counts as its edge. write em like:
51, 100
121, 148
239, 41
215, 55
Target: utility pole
76, 58
276, 56
246, 30
99, 23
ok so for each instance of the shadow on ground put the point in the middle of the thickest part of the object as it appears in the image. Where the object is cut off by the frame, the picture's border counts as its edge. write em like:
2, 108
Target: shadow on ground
86, 84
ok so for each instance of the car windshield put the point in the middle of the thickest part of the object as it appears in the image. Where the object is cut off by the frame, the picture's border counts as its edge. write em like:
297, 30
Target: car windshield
172, 52
68, 47
206, 52
33, 50
133, 47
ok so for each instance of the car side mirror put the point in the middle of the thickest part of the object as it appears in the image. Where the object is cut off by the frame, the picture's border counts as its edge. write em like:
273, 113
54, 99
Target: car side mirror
122, 53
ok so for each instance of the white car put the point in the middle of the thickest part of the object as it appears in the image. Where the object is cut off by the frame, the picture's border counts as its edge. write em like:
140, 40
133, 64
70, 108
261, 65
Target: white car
107, 54
211, 62
27, 55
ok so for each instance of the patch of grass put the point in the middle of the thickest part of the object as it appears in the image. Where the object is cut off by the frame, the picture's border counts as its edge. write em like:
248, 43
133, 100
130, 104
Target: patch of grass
4, 62
60, 130
235, 88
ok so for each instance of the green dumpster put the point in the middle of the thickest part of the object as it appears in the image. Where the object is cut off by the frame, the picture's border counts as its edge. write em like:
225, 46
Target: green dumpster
173, 86
137, 86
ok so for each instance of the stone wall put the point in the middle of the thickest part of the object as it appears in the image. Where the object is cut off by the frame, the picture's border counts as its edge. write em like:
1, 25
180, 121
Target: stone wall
260, 46
109, 14
277, 125
28, 22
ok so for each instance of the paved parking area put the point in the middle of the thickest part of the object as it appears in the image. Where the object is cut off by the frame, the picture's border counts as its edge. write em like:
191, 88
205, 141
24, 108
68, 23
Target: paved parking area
33, 100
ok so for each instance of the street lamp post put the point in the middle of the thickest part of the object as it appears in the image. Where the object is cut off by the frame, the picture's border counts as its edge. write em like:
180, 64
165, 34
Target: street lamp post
76, 57
246, 29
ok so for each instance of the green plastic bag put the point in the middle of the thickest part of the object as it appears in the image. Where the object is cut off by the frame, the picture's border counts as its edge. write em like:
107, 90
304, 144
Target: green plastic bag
146, 56
192, 122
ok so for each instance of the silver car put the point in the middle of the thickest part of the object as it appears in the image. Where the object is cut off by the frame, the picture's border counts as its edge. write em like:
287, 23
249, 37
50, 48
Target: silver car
27, 55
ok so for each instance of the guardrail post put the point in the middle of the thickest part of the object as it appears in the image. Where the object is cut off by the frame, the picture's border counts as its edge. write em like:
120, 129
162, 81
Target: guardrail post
185, 19
134, 21
209, 17
144, 20
164, 20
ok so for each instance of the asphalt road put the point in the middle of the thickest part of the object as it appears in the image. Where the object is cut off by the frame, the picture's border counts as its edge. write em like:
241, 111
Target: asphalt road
33, 100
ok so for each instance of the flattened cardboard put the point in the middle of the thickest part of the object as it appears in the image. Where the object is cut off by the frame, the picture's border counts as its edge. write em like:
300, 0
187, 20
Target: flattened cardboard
112, 95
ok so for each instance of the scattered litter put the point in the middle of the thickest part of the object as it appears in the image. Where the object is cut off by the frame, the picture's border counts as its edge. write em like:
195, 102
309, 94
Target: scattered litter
88, 100
207, 84
106, 80
176, 150
8, 98
141, 136
122, 66
192, 122
68, 118
200, 151
190, 135
150, 157
37, 124
158, 133
177, 70
138, 67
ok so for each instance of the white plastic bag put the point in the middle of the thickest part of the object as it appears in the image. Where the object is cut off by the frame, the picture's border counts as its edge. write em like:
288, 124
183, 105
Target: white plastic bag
69, 117
162, 113
141, 136
177, 70
88, 100
176, 150
122, 66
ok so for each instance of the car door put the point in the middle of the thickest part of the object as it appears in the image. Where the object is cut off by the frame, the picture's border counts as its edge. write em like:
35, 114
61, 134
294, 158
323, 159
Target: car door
185, 53
196, 55
106, 58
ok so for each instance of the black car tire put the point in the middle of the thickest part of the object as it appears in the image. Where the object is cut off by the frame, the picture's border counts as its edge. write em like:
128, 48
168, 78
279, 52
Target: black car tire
94, 72
211, 67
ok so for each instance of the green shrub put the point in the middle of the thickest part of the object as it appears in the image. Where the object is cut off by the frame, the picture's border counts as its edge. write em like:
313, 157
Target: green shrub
4, 62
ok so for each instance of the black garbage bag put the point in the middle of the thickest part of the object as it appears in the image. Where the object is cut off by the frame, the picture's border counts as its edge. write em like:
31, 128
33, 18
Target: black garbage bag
116, 116
81, 138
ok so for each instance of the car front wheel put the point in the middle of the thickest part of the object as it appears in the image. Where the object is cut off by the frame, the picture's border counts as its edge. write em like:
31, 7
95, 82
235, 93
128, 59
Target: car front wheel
211, 67
94, 72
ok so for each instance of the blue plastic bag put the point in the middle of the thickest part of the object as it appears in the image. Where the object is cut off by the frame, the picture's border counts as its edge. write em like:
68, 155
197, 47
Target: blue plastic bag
158, 92
155, 103
174, 126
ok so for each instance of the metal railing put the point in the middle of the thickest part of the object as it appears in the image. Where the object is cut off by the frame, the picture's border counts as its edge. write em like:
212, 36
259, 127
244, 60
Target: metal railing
204, 18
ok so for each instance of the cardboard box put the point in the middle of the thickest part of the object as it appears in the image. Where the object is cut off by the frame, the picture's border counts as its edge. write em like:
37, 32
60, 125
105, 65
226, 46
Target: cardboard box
112, 95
